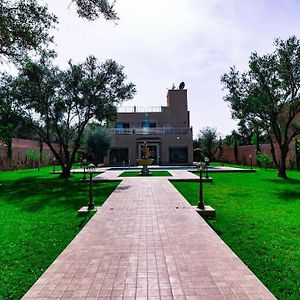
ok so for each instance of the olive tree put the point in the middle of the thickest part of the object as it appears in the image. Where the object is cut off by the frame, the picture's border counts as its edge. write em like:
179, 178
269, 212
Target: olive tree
268, 96
59, 102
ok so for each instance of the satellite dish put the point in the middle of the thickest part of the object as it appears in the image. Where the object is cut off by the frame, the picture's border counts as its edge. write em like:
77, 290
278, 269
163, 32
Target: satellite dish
181, 85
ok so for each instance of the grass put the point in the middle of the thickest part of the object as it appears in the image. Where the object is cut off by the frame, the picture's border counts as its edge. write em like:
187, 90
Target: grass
38, 219
138, 174
258, 216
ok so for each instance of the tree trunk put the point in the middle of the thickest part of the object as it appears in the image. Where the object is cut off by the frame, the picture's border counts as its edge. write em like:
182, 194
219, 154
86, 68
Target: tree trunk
282, 164
66, 171
273, 152
9, 151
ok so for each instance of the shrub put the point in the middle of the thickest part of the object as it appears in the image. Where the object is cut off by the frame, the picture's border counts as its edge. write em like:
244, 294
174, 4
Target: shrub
264, 159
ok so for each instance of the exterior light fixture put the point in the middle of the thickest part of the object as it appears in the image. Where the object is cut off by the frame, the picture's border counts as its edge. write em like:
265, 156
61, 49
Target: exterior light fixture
200, 203
53, 164
206, 159
251, 163
90, 170
84, 164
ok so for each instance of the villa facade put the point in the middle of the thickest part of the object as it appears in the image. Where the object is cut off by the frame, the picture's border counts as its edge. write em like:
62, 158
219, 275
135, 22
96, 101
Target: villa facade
166, 131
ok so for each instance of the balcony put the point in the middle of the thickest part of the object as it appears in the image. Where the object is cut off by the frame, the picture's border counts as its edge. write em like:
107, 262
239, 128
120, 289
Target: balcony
151, 131
138, 109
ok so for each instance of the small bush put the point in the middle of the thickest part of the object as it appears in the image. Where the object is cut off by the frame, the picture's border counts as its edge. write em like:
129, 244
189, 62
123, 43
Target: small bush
264, 159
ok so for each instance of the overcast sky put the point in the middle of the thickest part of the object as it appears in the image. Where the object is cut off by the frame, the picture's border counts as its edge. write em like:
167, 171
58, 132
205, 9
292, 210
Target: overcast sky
161, 42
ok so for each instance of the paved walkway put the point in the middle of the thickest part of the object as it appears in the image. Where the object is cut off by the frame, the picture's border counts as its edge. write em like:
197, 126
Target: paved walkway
147, 242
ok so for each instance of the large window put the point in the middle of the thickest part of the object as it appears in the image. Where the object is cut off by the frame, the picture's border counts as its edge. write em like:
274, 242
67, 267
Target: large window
147, 124
178, 155
122, 125
118, 156
122, 128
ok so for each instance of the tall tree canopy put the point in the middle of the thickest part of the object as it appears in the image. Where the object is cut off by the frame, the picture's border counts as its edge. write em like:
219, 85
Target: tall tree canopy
93, 9
207, 142
267, 95
96, 142
62, 102
25, 24
24, 27
8, 114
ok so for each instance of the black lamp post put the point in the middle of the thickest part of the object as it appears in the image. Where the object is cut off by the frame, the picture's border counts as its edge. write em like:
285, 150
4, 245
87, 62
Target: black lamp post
53, 162
251, 164
91, 204
200, 203
84, 163
206, 159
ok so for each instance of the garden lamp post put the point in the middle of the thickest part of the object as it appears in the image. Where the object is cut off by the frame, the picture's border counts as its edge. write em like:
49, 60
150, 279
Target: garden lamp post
90, 170
84, 163
53, 164
200, 203
250, 157
206, 159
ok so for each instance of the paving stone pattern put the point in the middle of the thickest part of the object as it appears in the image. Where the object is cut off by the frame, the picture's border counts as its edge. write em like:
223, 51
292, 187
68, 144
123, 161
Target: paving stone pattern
147, 242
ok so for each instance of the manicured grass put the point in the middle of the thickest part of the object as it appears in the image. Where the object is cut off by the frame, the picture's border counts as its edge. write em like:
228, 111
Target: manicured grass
138, 174
38, 218
258, 216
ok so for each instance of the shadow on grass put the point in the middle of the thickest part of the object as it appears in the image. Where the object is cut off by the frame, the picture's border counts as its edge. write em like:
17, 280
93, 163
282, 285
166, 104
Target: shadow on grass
289, 195
290, 181
33, 194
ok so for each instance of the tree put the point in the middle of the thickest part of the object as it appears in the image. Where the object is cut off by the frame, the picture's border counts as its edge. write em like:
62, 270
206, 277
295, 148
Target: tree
24, 27
97, 142
267, 96
34, 156
207, 141
62, 102
8, 114
93, 9
25, 24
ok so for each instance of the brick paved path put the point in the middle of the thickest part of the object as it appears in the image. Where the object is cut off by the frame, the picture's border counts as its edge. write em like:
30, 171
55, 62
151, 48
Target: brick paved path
146, 242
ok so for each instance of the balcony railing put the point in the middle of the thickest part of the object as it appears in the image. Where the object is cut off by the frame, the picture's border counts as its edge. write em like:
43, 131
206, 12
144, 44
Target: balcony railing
138, 109
152, 131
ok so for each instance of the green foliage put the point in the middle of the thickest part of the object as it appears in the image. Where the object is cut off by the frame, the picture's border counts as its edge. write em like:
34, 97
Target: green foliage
62, 102
97, 142
25, 24
8, 114
258, 218
33, 155
24, 27
207, 142
93, 9
38, 221
267, 96
264, 160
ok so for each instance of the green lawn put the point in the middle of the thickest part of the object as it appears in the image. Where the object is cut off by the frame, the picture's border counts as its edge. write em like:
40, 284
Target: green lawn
258, 216
138, 174
38, 218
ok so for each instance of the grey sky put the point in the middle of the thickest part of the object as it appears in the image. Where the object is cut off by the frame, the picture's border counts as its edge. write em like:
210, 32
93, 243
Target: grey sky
165, 42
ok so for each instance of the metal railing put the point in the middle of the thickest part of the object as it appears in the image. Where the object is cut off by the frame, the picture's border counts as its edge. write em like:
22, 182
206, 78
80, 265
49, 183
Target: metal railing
138, 109
151, 131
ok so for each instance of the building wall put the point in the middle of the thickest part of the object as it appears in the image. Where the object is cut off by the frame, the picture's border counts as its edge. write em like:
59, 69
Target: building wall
173, 131
165, 143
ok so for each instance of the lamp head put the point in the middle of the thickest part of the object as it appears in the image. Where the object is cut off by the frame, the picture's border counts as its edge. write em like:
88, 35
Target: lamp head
199, 166
91, 168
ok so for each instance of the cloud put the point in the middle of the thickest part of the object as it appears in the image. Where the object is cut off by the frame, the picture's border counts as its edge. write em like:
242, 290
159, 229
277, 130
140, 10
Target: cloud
196, 41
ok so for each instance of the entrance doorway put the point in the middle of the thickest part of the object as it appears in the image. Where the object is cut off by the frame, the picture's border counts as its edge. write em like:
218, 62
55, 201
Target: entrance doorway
154, 151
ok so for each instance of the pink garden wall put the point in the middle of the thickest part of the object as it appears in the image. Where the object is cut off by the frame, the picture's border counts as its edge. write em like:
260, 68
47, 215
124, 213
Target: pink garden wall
20, 160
